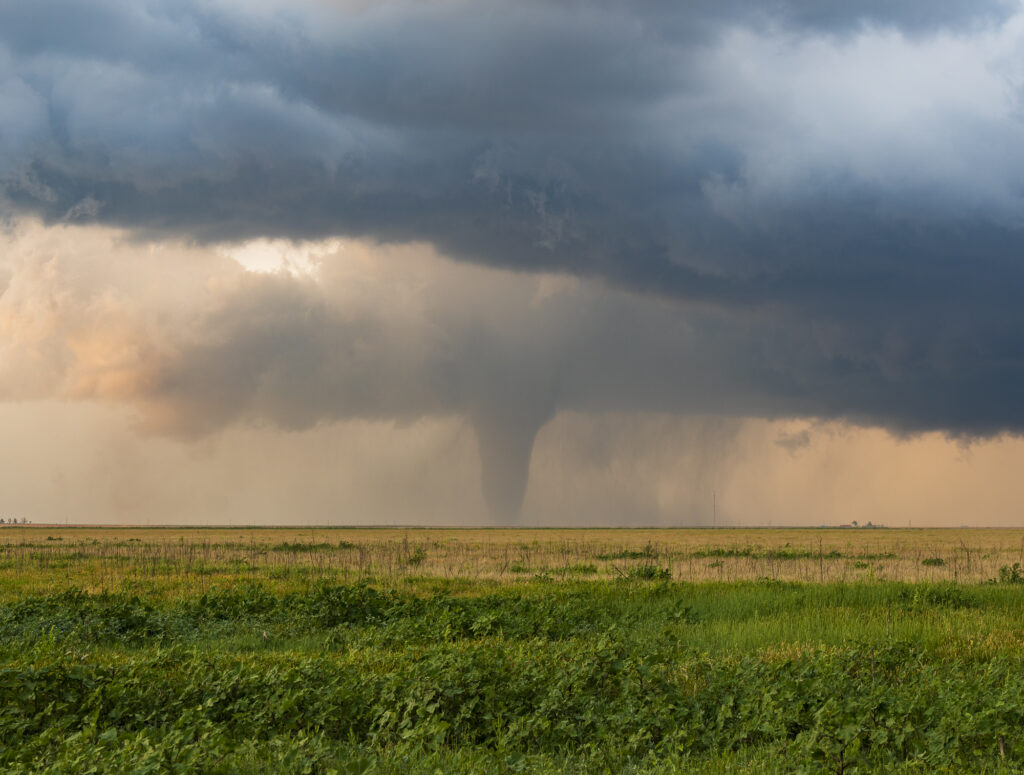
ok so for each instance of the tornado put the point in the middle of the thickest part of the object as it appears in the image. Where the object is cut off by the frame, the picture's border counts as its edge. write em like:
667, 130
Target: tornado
505, 437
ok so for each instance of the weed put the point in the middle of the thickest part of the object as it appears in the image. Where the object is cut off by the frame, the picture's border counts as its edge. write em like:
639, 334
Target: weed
648, 573
1011, 574
647, 553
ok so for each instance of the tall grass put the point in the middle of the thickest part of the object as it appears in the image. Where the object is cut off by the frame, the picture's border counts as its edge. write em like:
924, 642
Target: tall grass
178, 559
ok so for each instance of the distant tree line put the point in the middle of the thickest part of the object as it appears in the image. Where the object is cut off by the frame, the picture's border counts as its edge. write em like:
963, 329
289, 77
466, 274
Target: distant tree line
13, 521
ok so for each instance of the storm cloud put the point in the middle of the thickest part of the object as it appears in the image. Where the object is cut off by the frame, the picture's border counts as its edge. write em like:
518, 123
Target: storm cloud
359, 331
775, 210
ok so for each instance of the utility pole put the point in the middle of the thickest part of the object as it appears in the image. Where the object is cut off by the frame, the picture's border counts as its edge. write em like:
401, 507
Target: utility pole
714, 509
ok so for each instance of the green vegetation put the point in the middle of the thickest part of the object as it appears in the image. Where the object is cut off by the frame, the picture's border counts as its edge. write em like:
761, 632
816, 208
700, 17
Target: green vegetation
1011, 574
647, 553
562, 667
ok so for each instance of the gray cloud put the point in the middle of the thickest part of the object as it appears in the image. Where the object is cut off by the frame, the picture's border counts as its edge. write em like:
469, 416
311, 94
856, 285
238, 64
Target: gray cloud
398, 333
820, 201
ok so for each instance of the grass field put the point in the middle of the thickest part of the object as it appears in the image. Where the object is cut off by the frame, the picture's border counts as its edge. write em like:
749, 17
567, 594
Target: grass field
172, 559
423, 651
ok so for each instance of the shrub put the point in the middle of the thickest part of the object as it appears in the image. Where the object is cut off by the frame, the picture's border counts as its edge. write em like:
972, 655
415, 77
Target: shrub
1011, 574
649, 573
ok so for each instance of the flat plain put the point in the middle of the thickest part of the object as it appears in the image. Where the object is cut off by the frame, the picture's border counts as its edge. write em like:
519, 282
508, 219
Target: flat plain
196, 558
357, 650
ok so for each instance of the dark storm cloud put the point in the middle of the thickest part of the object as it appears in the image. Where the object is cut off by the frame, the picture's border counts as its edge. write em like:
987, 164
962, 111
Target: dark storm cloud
839, 182
492, 349
396, 333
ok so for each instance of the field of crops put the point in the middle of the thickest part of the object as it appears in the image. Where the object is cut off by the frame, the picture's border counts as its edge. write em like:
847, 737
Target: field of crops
423, 651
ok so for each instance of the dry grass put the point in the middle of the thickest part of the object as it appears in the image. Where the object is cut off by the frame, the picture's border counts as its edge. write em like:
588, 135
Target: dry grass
41, 558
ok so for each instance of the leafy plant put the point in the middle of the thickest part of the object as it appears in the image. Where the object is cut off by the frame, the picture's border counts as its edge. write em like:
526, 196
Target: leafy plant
418, 555
1011, 574
649, 573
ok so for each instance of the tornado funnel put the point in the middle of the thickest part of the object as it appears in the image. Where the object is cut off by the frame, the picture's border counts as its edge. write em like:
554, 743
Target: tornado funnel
505, 438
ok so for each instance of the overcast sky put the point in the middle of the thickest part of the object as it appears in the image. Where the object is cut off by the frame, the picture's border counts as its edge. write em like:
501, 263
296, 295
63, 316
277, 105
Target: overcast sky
669, 248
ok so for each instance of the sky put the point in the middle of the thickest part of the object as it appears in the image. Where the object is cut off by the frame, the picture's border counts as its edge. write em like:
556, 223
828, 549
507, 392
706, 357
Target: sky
492, 262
